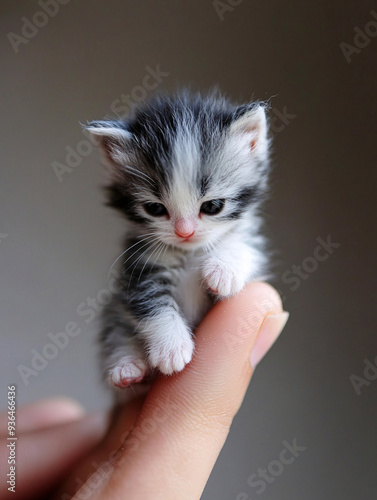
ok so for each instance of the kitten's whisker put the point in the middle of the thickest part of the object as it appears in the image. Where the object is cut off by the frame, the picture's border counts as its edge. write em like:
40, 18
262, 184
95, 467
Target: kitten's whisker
146, 262
143, 246
164, 252
207, 247
166, 247
163, 247
129, 248
212, 244
134, 264
145, 234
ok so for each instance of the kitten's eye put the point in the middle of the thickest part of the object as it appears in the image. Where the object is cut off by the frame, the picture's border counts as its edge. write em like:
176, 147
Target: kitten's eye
212, 207
155, 209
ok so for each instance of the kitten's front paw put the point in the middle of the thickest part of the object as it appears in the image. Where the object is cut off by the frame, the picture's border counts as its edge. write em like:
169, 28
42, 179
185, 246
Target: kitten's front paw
129, 370
172, 350
222, 279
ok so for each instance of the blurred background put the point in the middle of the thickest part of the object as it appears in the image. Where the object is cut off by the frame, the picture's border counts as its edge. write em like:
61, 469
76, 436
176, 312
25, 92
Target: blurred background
317, 61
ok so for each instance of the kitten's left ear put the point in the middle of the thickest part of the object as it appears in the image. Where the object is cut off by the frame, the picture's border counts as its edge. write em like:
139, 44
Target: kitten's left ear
250, 120
114, 140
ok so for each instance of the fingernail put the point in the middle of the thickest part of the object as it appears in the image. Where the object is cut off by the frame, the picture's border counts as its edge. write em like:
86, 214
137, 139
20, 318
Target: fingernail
270, 330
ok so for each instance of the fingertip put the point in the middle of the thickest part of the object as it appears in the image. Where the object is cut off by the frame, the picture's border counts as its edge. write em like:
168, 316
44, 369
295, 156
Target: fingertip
264, 291
237, 319
65, 406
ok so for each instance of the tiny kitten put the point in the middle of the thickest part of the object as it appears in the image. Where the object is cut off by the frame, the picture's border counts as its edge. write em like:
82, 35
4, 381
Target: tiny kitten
188, 173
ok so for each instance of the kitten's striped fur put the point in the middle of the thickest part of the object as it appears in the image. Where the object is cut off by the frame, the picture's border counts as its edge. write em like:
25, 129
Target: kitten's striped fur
180, 152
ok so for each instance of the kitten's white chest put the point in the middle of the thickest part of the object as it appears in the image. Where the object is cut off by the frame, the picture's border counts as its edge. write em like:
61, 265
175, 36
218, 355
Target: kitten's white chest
192, 297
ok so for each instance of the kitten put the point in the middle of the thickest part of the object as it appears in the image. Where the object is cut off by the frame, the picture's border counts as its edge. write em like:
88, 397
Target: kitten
188, 173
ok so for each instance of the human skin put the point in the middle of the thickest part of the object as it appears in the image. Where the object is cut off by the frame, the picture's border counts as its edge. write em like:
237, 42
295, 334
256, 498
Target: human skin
162, 445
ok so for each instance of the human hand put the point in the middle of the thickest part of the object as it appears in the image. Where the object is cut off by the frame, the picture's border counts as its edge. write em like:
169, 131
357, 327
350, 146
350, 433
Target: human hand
52, 436
164, 445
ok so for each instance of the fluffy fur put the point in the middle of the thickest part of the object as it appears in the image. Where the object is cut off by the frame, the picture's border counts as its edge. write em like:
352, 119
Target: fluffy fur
183, 250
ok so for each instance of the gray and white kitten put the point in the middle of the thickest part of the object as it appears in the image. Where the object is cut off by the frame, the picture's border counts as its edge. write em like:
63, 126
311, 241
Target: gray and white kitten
188, 173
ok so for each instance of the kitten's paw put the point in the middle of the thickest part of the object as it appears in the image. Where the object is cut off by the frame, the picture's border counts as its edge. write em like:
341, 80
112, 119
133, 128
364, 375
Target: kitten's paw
222, 279
172, 351
129, 370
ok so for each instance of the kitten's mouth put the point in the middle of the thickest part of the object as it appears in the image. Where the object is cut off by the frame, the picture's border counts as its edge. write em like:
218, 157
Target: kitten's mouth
186, 242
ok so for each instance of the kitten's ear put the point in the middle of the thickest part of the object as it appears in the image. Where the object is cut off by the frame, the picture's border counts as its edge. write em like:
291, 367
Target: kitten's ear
113, 139
250, 121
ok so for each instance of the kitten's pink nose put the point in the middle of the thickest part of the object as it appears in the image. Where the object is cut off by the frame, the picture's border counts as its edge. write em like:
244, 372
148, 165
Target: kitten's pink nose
185, 228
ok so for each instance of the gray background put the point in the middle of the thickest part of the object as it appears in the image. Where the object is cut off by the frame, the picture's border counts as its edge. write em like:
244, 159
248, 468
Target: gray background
61, 240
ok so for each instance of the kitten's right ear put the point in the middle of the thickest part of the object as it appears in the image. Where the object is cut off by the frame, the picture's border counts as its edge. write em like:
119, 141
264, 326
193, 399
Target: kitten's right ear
250, 120
113, 139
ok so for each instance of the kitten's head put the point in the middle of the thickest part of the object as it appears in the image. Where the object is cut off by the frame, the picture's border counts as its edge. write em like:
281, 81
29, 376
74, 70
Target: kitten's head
187, 169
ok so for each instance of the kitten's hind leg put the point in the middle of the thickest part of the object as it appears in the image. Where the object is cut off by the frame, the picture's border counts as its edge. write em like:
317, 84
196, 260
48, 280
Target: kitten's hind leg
129, 369
123, 360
